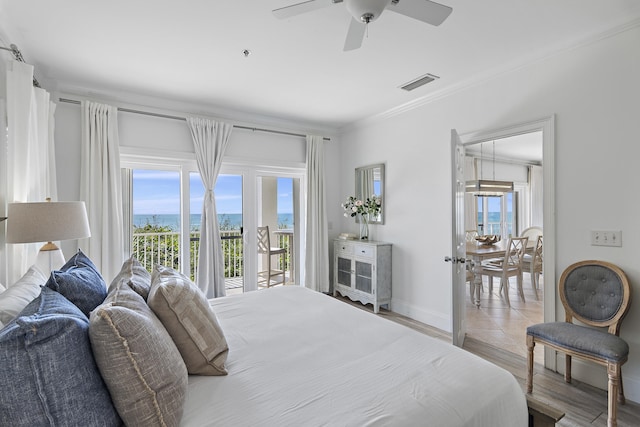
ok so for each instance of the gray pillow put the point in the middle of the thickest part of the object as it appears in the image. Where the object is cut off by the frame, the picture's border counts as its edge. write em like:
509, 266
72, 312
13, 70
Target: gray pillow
136, 275
187, 316
49, 375
138, 360
80, 282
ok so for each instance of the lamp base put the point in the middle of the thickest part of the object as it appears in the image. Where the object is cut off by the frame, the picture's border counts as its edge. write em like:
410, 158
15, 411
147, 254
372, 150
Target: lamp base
49, 259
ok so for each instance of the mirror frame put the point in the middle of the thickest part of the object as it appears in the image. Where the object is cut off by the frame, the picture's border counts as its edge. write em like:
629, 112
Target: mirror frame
358, 172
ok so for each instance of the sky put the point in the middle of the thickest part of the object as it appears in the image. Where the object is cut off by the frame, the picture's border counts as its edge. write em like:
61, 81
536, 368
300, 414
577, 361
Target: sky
157, 192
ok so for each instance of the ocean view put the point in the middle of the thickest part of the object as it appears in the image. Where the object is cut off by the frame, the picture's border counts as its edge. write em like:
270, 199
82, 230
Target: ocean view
226, 221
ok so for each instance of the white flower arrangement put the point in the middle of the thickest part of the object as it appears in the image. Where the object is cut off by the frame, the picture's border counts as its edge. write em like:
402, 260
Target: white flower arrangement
371, 205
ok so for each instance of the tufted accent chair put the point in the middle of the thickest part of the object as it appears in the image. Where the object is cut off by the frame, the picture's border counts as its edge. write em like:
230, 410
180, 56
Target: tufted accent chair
597, 294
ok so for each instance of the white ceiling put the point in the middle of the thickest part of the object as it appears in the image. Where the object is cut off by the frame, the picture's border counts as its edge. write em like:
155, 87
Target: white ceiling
190, 51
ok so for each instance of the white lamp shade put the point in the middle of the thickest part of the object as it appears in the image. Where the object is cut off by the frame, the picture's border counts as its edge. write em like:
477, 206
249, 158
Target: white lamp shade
46, 222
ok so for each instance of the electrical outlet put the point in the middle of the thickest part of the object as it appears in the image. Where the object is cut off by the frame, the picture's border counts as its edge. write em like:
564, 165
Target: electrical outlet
606, 238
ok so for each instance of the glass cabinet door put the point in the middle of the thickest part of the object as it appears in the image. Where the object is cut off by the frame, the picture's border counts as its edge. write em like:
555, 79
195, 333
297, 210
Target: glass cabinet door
364, 276
344, 271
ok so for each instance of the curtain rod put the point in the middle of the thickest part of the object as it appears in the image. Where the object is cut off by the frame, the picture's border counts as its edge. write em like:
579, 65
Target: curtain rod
18, 57
167, 116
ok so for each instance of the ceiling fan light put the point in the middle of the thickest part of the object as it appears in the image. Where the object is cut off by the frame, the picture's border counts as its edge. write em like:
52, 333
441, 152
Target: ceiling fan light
366, 10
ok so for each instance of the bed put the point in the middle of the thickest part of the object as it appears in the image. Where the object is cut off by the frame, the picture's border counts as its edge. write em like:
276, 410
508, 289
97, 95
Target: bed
150, 350
298, 357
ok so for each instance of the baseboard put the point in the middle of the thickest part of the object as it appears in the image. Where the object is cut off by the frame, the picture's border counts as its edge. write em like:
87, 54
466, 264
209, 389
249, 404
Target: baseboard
431, 318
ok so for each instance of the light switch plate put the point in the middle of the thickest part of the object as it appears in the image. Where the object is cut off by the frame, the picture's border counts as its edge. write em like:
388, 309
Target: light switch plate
606, 238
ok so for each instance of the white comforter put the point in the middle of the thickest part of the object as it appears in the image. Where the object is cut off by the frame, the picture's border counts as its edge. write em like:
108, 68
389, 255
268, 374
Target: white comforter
301, 358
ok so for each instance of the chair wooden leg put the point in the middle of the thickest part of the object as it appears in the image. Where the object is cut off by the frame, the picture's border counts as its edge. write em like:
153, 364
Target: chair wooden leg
534, 284
621, 399
268, 271
504, 282
471, 290
613, 372
530, 345
567, 368
490, 284
520, 290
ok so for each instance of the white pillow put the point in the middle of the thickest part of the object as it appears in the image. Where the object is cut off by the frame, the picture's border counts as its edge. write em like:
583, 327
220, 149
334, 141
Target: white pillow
21, 293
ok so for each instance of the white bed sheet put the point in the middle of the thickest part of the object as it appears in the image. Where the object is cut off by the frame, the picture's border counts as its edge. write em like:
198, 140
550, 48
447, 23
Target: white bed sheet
301, 358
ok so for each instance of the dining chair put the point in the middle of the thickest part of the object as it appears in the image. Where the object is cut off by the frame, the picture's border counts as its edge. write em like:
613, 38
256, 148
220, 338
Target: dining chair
470, 235
532, 232
596, 294
509, 266
265, 248
533, 264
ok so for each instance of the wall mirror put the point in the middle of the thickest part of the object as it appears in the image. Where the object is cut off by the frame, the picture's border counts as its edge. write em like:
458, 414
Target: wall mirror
370, 181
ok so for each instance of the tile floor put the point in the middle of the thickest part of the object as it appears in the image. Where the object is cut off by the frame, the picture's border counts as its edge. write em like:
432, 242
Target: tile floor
497, 324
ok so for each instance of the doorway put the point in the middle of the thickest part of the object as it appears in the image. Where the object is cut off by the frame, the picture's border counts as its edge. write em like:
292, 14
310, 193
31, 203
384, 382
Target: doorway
493, 322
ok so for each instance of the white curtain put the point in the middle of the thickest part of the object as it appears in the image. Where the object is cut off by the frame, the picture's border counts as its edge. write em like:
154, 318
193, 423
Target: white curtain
31, 172
537, 191
210, 140
101, 189
317, 240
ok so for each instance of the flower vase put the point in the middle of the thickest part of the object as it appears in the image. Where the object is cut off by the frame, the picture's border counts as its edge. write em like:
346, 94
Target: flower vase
364, 227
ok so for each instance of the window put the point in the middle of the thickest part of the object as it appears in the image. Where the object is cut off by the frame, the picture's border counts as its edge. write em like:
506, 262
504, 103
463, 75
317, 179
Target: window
497, 214
156, 217
163, 208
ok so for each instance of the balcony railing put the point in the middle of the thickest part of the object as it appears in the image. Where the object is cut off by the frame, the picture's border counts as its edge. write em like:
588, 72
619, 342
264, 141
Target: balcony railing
164, 248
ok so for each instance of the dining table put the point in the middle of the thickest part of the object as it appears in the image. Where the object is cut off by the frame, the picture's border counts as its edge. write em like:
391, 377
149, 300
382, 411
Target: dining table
479, 252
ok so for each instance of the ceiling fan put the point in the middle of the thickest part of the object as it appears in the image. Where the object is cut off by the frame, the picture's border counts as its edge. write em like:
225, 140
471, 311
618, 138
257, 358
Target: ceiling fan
366, 11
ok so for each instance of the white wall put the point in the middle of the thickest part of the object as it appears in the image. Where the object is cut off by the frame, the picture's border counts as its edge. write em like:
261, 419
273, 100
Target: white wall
593, 90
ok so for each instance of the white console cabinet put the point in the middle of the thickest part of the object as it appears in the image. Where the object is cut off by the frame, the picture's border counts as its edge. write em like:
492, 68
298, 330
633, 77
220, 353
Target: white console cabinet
362, 271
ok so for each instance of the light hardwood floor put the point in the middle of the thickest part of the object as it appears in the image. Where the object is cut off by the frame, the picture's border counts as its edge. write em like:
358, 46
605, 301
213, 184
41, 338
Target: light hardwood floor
582, 404
497, 324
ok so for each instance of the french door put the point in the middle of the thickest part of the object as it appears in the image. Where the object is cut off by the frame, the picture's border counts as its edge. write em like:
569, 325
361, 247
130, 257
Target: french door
163, 204
273, 197
497, 215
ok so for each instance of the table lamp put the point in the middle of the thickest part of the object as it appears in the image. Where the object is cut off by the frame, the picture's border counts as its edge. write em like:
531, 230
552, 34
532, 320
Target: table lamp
47, 222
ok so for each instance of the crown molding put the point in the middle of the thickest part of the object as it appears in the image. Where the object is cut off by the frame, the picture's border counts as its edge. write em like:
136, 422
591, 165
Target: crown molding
494, 73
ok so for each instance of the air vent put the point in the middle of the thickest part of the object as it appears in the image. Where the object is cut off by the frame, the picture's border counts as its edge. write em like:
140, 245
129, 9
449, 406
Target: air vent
420, 81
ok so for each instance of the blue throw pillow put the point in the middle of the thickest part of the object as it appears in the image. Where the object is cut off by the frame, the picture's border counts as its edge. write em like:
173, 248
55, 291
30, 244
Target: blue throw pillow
79, 281
50, 377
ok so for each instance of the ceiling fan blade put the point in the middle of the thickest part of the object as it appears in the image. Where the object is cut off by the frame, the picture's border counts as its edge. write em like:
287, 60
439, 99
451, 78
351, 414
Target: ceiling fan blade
354, 35
299, 8
423, 10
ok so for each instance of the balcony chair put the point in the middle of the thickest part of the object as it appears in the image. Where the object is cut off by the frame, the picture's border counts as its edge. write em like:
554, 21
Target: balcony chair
597, 294
265, 248
509, 266
533, 264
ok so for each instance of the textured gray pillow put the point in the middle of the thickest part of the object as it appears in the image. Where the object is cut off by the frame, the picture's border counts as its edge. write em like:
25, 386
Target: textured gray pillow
138, 360
80, 282
136, 275
187, 316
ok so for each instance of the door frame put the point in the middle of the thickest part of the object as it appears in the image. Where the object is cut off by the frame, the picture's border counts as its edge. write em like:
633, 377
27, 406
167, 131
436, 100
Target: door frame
547, 126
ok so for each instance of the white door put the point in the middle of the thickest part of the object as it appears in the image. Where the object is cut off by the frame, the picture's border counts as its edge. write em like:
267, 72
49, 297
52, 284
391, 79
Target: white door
458, 243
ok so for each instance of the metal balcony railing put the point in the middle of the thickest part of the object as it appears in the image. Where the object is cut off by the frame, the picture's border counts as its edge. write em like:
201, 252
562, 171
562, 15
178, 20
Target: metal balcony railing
164, 248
